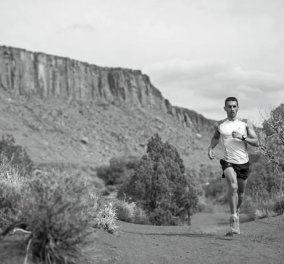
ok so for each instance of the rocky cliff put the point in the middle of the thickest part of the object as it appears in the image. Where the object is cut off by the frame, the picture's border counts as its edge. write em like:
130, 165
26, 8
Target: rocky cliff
33, 73
68, 112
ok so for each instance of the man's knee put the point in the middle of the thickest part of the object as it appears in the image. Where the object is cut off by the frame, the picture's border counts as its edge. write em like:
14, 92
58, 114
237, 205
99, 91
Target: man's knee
241, 195
232, 180
233, 188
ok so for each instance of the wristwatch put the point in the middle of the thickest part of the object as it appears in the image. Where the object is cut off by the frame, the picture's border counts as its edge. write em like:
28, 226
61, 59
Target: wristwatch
244, 137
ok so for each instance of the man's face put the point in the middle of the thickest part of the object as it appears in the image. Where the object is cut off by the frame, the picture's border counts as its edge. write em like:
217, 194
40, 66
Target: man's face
231, 108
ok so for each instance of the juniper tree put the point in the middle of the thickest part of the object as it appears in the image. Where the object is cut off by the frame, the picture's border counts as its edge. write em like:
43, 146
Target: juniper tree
160, 186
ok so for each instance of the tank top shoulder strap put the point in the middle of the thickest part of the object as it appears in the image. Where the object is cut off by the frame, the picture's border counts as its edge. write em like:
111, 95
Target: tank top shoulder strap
219, 123
245, 120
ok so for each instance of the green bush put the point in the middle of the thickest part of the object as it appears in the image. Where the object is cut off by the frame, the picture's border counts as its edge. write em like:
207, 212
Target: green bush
160, 187
130, 212
279, 206
16, 155
118, 170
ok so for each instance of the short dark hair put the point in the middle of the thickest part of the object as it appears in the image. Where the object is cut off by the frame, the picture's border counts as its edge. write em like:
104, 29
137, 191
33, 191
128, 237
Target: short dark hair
234, 99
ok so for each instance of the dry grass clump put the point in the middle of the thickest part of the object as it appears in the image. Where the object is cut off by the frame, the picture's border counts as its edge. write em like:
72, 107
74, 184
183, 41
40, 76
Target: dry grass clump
60, 211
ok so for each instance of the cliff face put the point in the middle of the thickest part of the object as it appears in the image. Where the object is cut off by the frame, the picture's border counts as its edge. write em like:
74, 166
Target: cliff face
50, 76
47, 76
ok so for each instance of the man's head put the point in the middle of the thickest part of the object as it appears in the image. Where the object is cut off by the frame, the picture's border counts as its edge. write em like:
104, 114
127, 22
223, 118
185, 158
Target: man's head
231, 107
231, 99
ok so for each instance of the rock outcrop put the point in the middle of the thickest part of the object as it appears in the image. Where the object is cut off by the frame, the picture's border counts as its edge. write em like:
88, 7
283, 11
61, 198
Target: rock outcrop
32, 73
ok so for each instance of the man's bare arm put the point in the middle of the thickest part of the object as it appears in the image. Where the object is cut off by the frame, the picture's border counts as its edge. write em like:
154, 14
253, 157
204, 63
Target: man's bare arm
252, 138
214, 142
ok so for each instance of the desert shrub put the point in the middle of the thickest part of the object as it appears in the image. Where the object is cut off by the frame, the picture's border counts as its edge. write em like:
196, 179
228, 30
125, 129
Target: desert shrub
106, 218
272, 143
16, 155
11, 184
61, 212
140, 216
216, 189
160, 187
262, 180
130, 212
201, 180
249, 208
265, 183
261, 206
262, 190
125, 211
279, 206
87, 171
118, 170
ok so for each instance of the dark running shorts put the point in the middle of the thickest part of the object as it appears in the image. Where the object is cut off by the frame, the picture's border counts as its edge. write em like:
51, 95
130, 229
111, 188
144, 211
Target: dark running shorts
242, 170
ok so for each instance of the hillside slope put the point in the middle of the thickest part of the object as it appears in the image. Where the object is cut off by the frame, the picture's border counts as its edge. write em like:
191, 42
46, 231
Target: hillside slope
70, 112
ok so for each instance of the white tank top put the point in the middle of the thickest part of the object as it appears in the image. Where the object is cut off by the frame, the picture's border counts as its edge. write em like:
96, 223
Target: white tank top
235, 150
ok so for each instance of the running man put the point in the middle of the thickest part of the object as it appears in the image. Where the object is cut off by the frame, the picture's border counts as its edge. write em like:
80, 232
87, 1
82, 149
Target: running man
235, 134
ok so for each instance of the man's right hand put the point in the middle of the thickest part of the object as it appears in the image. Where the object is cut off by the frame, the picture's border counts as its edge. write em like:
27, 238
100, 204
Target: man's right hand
211, 154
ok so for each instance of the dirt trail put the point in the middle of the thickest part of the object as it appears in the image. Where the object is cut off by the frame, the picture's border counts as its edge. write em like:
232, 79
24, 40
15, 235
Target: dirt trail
261, 241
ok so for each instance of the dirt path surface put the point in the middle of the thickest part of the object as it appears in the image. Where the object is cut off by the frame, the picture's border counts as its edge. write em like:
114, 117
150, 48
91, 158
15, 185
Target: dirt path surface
261, 241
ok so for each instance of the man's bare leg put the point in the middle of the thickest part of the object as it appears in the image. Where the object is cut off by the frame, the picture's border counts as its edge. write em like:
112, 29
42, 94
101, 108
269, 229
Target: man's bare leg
231, 177
241, 191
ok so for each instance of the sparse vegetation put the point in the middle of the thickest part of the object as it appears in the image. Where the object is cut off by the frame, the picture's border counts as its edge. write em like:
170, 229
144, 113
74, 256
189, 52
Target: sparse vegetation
11, 183
272, 145
160, 187
59, 211
130, 212
265, 185
279, 206
16, 155
118, 171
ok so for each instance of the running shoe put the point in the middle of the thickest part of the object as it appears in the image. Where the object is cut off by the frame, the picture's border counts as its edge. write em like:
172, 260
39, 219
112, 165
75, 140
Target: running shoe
234, 228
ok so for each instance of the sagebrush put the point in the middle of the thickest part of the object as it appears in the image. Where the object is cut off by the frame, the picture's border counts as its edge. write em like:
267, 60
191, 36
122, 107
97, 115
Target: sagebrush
16, 155
61, 211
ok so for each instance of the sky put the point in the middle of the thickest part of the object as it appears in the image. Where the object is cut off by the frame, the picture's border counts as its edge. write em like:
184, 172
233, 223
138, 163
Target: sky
196, 52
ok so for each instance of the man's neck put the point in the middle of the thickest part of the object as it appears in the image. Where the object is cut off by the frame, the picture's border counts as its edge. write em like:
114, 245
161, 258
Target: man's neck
232, 118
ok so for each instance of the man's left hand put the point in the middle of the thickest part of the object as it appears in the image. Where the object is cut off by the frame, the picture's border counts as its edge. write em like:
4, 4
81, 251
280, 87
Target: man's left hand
236, 134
